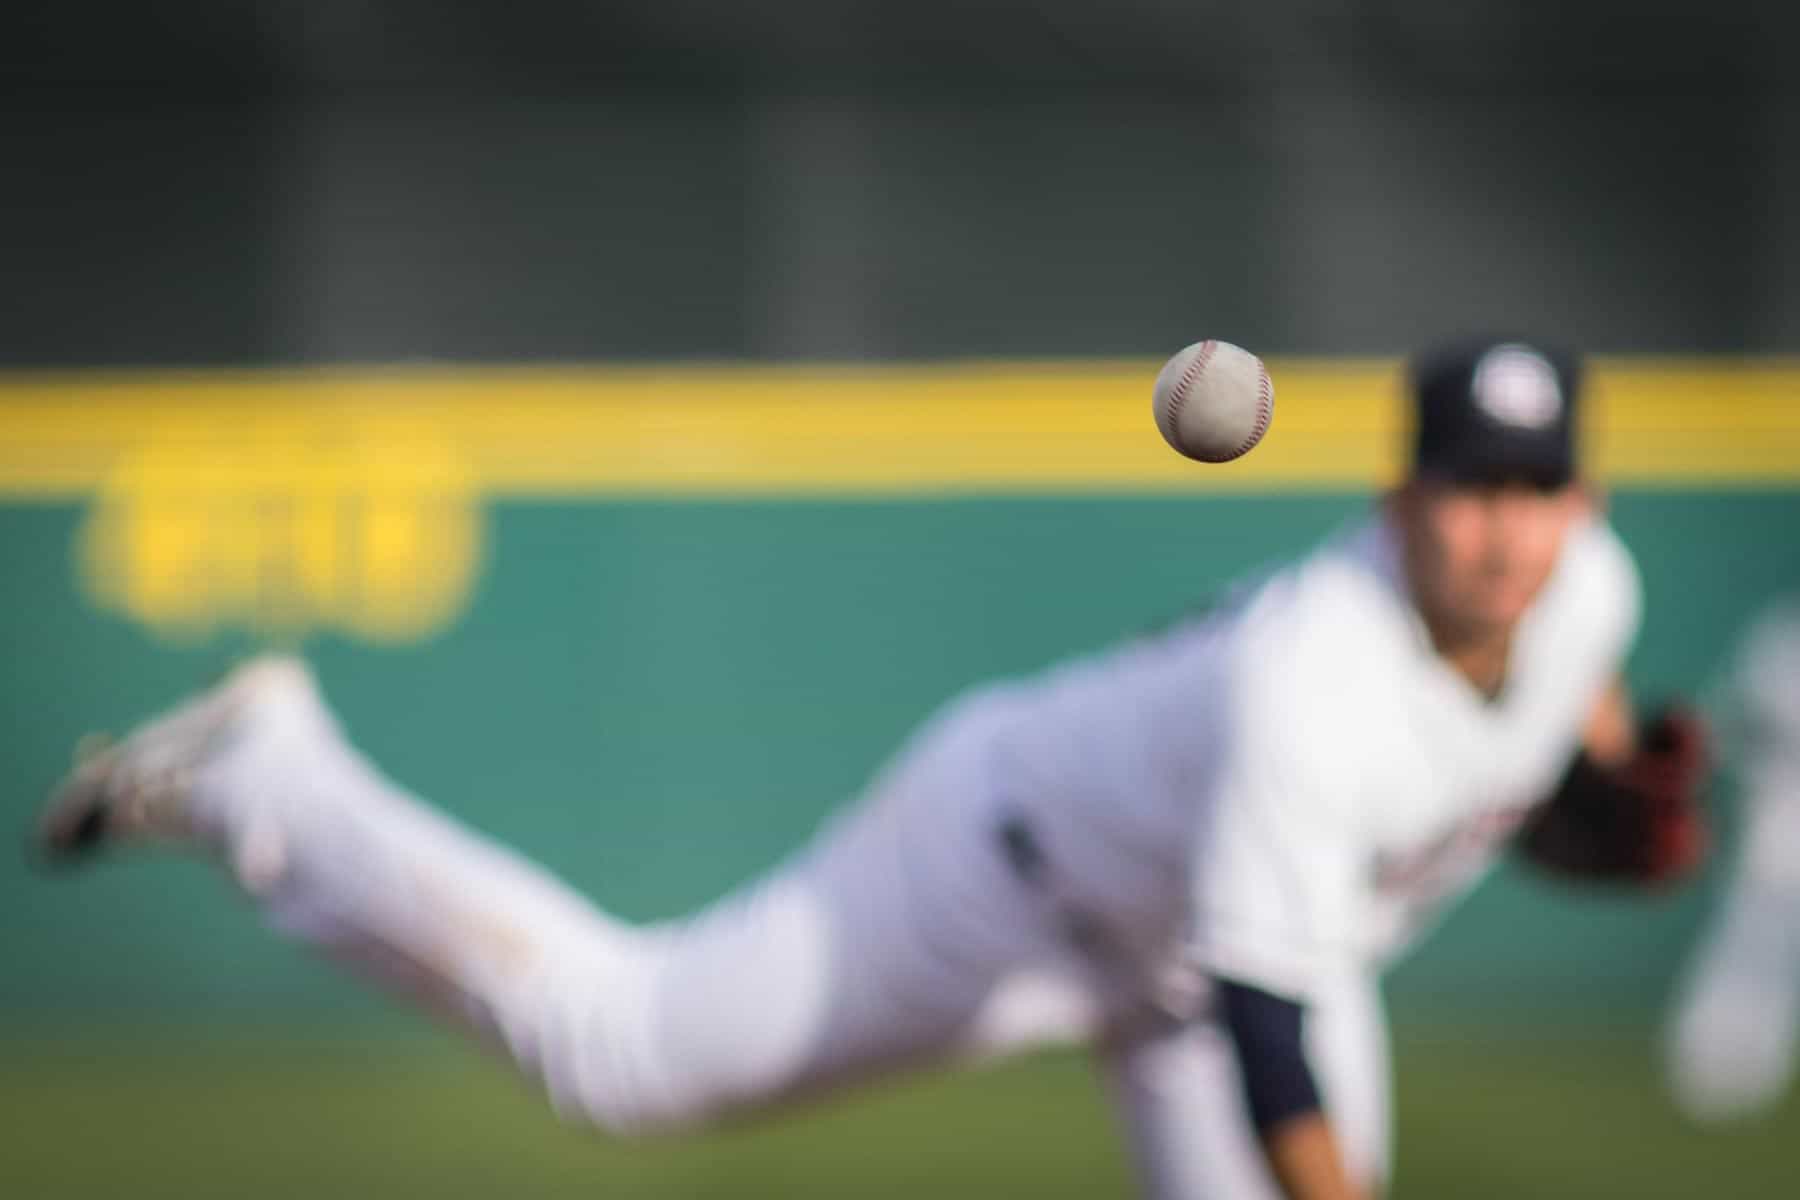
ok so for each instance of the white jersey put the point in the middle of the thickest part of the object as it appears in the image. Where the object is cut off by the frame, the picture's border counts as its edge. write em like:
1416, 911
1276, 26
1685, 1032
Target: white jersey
1298, 781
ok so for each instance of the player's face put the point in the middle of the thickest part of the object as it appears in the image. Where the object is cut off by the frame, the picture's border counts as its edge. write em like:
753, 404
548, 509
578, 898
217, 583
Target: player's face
1478, 555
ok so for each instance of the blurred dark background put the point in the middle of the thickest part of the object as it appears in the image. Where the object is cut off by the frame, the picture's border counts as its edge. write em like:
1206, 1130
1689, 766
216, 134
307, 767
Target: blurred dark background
215, 182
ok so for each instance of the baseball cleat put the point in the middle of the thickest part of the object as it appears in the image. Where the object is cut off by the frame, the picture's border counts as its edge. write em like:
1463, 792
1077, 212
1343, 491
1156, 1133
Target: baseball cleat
140, 790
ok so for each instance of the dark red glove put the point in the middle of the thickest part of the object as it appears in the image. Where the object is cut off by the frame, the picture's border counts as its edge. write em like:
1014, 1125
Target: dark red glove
1667, 774
1641, 822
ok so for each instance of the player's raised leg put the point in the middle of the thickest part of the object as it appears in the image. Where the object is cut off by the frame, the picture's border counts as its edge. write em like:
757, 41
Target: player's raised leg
879, 943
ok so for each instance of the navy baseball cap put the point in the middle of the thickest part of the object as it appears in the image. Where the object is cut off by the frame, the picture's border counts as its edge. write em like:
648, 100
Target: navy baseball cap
1496, 411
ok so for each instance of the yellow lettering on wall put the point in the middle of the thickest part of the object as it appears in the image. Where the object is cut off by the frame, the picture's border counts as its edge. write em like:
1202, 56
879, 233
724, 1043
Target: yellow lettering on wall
284, 527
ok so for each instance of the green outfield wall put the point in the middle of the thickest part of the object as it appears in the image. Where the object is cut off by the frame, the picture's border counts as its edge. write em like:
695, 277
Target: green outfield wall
659, 695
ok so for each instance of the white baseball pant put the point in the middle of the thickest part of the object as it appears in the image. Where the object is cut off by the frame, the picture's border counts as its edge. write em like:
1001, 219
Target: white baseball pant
898, 936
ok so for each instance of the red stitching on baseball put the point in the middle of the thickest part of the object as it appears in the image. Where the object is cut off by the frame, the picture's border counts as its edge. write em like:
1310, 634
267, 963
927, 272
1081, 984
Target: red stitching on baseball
1178, 395
1265, 412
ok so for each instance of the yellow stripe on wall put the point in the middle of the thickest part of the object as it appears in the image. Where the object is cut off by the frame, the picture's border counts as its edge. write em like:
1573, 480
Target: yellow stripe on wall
868, 430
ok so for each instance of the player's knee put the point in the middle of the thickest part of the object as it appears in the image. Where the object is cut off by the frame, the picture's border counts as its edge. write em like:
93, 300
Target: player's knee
621, 1107
587, 1039
632, 1104
614, 1080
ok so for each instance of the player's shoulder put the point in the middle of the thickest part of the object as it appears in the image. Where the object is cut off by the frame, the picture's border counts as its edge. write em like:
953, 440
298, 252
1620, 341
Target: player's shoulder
1339, 608
1597, 583
1600, 554
1350, 582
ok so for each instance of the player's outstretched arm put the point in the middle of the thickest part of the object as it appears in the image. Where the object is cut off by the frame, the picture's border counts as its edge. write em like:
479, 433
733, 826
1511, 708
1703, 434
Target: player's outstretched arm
1303, 1155
1282, 1096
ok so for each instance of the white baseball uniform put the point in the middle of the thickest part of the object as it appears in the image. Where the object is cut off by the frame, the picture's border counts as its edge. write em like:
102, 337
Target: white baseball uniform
1736, 1023
1282, 792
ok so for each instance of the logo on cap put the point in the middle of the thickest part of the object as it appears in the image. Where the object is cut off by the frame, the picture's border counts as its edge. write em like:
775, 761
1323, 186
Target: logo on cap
1515, 385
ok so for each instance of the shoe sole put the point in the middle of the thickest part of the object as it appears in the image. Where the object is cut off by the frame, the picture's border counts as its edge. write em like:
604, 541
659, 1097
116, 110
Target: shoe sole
89, 809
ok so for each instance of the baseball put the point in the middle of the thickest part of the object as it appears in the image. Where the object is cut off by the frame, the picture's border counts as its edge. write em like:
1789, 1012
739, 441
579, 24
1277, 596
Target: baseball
1214, 401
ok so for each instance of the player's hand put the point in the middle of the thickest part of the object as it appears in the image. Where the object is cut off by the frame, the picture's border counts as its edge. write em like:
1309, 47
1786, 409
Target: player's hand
1668, 774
